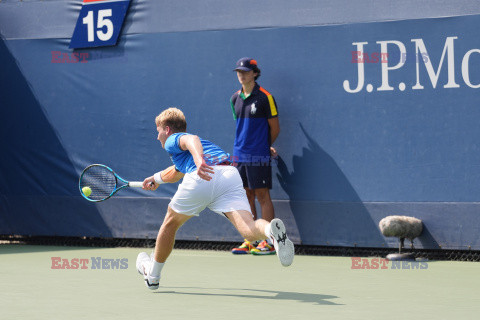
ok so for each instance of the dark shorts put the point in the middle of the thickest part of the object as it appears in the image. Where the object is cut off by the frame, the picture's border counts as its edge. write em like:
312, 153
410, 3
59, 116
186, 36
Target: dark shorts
255, 176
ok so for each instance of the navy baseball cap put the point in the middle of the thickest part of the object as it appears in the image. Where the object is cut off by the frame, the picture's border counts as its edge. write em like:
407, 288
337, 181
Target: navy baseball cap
246, 64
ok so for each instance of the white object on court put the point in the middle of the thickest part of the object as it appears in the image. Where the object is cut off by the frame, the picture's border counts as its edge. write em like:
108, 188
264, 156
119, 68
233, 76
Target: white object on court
144, 264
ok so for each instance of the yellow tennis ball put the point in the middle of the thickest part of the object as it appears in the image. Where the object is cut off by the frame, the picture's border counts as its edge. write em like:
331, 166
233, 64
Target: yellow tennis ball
87, 191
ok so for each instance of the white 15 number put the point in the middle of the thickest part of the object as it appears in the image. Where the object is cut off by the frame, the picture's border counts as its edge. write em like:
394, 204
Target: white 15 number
102, 22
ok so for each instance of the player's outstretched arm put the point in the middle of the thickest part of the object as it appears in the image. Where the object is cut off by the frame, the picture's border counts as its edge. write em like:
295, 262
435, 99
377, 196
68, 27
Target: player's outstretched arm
169, 175
192, 143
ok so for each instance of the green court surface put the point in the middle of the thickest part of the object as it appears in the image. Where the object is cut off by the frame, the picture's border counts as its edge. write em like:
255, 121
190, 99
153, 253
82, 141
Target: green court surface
219, 285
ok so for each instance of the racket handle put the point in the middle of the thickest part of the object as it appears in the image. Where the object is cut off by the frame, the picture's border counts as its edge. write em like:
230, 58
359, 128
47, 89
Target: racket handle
135, 184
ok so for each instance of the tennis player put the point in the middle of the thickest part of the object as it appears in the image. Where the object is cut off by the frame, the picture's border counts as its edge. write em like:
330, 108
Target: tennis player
208, 181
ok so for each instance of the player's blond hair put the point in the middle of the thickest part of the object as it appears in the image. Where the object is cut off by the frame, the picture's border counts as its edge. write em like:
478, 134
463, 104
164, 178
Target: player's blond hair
173, 118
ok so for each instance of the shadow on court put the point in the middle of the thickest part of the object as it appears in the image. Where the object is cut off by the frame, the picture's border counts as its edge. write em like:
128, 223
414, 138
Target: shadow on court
318, 299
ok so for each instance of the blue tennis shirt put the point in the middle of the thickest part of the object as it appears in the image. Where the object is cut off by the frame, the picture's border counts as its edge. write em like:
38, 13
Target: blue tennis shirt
183, 160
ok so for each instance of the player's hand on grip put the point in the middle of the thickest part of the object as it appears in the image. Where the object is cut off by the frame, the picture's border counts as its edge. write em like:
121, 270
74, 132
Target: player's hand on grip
204, 169
150, 184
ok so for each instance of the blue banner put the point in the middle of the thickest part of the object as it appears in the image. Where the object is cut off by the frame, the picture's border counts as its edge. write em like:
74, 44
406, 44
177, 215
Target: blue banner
377, 119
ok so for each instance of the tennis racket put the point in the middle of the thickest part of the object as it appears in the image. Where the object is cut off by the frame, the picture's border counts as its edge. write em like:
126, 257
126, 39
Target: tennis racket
103, 183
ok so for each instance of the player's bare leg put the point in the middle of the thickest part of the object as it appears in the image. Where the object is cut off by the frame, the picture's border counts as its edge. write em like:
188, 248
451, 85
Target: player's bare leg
250, 229
247, 246
151, 268
166, 236
260, 229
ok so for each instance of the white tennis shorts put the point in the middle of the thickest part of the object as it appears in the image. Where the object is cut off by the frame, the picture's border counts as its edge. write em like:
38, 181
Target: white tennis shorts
224, 193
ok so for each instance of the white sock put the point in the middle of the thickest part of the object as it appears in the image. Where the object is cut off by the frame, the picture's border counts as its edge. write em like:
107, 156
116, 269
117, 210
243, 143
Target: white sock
268, 230
156, 269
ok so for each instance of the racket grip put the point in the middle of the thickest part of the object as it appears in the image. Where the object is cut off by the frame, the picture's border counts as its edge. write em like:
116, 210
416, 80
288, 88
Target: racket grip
135, 184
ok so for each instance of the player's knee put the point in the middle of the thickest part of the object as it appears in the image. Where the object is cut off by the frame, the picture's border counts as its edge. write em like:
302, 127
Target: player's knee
169, 222
247, 232
263, 195
172, 220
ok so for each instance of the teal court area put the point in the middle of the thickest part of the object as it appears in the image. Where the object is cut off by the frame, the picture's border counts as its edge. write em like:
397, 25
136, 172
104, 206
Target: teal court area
219, 285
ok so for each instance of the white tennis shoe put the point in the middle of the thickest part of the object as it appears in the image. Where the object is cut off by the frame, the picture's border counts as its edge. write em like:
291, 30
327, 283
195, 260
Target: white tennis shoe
283, 245
144, 265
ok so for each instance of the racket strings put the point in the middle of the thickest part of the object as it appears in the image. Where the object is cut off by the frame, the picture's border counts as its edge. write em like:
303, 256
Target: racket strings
100, 180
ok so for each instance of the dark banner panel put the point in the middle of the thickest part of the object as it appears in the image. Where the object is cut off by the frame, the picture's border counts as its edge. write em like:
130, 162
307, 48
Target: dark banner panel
377, 119
56, 19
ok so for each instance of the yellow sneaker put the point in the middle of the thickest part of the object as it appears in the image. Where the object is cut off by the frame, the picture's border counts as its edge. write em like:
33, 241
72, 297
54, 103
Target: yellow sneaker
263, 248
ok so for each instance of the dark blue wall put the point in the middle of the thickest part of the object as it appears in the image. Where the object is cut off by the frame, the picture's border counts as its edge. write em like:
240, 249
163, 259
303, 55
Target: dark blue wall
347, 159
